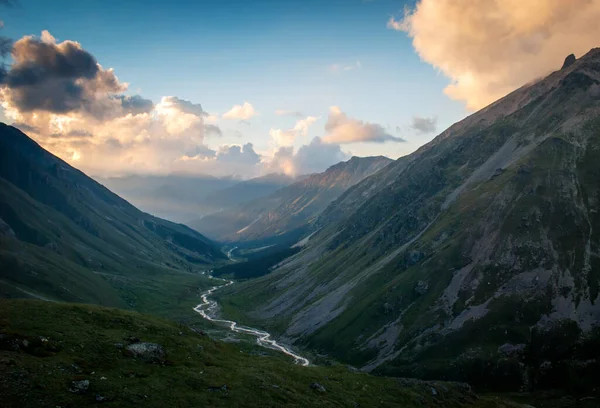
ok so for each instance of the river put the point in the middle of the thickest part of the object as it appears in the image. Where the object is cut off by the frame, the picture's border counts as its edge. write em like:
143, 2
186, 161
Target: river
208, 309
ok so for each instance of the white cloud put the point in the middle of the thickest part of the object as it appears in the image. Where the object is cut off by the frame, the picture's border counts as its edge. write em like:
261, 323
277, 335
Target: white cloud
287, 137
240, 112
488, 48
342, 129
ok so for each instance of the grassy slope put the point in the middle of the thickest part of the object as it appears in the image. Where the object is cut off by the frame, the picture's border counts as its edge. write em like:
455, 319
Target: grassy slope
82, 345
65, 237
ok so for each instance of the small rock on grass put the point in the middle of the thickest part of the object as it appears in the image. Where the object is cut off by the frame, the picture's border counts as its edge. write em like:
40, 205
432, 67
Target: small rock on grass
318, 387
79, 387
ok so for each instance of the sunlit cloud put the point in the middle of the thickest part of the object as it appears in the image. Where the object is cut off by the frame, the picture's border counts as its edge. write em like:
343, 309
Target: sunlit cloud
287, 137
489, 48
240, 112
341, 129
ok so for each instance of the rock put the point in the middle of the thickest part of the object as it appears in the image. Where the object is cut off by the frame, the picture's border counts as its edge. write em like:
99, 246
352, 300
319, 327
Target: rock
570, 60
508, 349
433, 391
414, 257
421, 287
150, 352
318, 387
79, 387
100, 398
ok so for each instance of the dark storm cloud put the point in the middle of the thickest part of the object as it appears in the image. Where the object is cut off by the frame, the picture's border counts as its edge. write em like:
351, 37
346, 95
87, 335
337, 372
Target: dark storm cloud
57, 78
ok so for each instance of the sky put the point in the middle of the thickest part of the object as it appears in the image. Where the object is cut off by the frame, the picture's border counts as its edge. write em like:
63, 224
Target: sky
245, 88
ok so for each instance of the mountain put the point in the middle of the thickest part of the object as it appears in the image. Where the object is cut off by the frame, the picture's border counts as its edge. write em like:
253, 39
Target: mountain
291, 208
245, 191
174, 197
63, 236
475, 258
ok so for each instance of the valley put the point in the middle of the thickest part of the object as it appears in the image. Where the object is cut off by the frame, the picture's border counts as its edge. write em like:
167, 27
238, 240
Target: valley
406, 250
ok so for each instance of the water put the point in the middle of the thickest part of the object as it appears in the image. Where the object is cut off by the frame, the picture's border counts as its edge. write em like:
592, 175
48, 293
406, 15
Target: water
208, 308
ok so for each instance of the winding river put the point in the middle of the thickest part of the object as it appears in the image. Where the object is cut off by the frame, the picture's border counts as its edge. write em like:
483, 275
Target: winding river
208, 308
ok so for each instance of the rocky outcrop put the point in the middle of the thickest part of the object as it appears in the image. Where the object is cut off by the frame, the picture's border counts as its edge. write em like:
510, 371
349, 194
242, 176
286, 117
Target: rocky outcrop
150, 352
570, 60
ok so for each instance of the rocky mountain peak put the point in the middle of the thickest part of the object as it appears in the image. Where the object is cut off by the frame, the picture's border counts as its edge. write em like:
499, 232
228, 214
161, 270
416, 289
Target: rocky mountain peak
570, 60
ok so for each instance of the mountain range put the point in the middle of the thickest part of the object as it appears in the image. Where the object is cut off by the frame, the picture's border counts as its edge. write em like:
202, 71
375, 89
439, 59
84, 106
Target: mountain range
475, 258
290, 210
184, 197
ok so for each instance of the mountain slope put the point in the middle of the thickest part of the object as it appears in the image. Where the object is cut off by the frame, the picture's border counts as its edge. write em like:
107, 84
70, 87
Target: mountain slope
173, 197
245, 191
61, 232
289, 208
474, 258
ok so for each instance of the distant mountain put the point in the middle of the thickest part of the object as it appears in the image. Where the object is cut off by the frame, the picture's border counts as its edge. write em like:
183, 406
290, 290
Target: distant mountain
245, 191
174, 197
62, 233
289, 208
475, 258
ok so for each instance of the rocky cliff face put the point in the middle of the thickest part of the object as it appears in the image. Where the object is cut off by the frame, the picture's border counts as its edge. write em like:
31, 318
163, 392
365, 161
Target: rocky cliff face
466, 258
290, 208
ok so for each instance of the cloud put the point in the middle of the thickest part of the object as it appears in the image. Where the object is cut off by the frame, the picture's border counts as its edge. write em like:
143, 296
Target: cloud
241, 112
212, 129
318, 156
135, 104
62, 97
314, 157
293, 114
287, 137
423, 124
489, 48
227, 160
342, 129
58, 78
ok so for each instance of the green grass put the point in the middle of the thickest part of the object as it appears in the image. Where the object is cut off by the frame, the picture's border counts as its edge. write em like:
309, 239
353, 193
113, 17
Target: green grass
83, 344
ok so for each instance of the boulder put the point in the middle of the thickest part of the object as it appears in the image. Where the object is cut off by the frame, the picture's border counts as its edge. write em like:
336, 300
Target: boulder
150, 352
318, 387
79, 387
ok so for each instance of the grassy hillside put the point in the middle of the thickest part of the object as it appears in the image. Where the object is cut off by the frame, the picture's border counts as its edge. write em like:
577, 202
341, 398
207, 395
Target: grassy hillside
48, 351
65, 237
